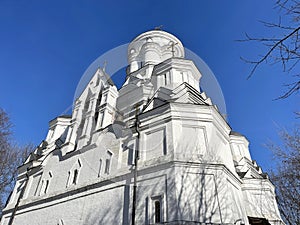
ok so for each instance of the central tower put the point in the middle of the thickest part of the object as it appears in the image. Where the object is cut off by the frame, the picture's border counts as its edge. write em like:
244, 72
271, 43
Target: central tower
156, 63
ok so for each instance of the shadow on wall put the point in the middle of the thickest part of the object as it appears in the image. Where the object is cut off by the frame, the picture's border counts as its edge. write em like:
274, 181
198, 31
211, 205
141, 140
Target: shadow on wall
197, 192
106, 214
202, 195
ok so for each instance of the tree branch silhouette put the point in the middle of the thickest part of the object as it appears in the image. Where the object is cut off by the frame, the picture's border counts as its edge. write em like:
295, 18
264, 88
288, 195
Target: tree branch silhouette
283, 48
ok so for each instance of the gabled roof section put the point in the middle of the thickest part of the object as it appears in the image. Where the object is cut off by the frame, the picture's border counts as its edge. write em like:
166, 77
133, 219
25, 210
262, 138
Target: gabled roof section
247, 169
99, 75
108, 78
184, 93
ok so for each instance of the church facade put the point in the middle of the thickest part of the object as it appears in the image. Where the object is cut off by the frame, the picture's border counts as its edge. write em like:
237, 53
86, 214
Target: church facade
156, 151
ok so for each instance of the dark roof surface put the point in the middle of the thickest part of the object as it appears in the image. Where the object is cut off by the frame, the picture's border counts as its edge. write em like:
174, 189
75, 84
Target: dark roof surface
236, 133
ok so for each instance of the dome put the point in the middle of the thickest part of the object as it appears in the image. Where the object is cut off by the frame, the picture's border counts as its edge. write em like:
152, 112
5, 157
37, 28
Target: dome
153, 47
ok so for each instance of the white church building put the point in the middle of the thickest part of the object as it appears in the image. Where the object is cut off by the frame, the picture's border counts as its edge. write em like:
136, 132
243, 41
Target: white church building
156, 151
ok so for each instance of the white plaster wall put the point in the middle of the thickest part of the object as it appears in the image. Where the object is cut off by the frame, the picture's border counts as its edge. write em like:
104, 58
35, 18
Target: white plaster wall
239, 148
204, 194
101, 207
259, 199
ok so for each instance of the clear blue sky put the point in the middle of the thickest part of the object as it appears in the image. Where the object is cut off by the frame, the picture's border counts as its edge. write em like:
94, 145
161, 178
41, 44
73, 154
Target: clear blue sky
45, 47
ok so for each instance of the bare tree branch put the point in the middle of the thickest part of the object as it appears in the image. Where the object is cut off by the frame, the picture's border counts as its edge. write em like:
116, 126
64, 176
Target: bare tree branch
286, 177
272, 49
11, 156
282, 48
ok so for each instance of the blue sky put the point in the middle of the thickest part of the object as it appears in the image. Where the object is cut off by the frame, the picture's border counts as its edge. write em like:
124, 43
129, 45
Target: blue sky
46, 46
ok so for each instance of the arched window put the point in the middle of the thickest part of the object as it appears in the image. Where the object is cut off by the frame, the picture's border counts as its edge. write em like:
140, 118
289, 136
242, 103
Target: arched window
74, 173
108, 163
157, 211
45, 183
157, 216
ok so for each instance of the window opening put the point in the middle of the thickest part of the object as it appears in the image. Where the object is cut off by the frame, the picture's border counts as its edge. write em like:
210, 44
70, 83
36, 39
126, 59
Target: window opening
96, 117
107, 165
46, 186
108, 162
99, 99
75, 176
165, 79
100, 165
157, 211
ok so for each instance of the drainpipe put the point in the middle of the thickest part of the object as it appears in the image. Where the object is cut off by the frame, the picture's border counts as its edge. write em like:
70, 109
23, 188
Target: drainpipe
136, 158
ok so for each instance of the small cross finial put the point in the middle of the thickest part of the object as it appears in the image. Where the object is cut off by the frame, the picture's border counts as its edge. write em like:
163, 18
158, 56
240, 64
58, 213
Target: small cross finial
159, 27
172, 46
104, 65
